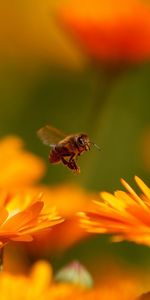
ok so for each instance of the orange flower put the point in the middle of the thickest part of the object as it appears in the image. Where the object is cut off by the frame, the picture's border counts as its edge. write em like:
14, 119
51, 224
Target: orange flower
126, 215
68, 200
110, 30
22, 217
39, 284
20, 287
19, 168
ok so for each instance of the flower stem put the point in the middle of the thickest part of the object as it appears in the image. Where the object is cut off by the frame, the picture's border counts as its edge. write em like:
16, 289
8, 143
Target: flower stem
102, 86
1, 258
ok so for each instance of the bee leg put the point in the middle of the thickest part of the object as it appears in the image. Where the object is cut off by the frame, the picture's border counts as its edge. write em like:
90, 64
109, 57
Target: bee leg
71, 157
64, 161
72, 163
73, 166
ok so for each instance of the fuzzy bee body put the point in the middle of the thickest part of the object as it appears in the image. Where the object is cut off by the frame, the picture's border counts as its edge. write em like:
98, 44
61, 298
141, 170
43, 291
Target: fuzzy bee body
64, 148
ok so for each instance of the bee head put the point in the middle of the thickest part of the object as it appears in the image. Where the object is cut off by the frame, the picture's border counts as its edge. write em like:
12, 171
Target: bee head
83, 141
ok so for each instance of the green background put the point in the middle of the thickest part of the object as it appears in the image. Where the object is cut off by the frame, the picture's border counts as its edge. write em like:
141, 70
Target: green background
35, 93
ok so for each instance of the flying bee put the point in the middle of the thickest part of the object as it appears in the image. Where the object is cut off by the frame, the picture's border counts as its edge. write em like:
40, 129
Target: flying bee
65, 149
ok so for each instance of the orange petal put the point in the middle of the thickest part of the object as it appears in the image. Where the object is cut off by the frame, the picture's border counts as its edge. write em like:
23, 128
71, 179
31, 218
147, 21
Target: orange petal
22, 218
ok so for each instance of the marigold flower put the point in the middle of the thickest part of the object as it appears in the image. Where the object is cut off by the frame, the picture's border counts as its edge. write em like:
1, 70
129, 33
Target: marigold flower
69, 200
125, 214
110, 30
39, 284
19, 168
22, 217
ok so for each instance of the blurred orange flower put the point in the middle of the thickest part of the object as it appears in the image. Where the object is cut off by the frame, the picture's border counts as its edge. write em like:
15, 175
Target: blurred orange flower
110, 30
19, 172
124, 214
69, 200
39, 284
18, 167
23, 217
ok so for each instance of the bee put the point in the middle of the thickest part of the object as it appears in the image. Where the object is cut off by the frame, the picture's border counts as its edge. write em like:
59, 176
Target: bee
65, 149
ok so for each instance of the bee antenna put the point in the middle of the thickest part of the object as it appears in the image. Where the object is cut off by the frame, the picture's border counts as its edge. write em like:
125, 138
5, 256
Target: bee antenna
96, 146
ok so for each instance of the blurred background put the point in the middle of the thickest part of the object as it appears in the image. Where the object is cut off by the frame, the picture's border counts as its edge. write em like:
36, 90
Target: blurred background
48, 77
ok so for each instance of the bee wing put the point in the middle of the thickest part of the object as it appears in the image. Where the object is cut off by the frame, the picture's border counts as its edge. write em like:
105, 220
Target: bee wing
50, 135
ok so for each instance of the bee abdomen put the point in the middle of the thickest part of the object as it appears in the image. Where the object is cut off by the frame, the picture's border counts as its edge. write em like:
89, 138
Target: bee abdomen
54, 157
